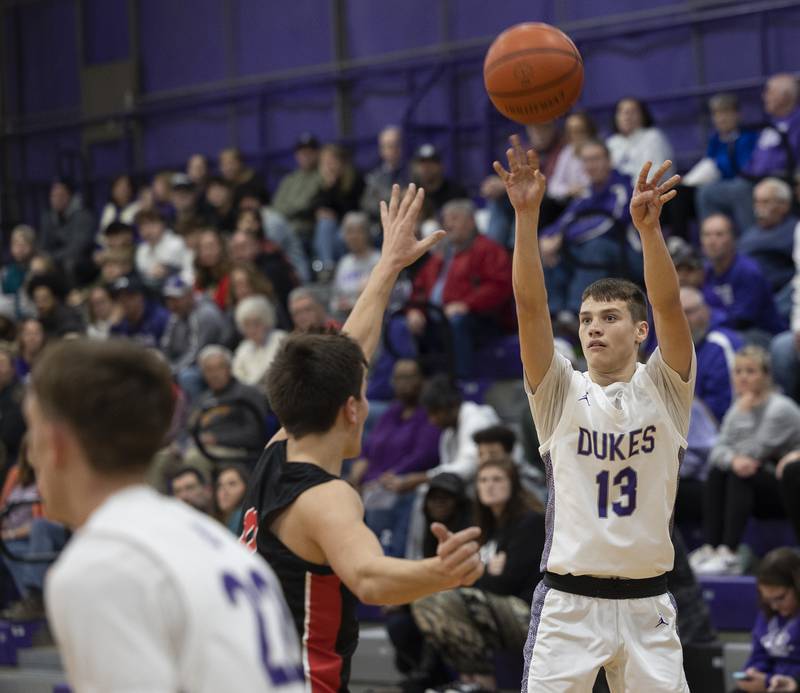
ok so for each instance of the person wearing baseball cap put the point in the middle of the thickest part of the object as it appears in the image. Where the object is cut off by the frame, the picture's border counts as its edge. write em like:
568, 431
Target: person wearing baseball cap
296, 191
143, 319
428, 172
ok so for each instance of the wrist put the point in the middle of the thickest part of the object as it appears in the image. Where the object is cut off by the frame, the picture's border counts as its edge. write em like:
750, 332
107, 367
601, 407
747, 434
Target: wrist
386, 270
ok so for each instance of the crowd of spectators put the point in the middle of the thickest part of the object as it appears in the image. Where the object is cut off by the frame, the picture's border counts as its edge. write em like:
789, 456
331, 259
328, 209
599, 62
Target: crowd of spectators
213, 270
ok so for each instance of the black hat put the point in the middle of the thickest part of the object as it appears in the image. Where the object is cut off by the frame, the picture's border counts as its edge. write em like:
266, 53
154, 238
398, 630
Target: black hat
306, 139
427, 152
130, 283
447, 481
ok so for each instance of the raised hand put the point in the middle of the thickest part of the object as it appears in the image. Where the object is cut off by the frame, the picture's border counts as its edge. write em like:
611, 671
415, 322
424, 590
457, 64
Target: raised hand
399, 220
460, 562
650, 196
524, 183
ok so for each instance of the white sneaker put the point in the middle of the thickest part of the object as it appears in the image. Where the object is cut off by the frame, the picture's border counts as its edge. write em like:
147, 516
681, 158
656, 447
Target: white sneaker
701, 555
724, 562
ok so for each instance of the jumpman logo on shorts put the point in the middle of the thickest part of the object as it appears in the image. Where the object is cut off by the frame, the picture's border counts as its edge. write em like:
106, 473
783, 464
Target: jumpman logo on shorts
586, 397
661, 621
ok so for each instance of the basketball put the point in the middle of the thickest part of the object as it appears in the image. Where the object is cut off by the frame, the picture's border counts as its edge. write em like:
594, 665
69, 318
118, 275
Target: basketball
533, 73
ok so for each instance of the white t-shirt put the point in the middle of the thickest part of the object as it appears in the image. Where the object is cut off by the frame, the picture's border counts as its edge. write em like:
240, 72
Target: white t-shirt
170, 251
151, 596
612, 456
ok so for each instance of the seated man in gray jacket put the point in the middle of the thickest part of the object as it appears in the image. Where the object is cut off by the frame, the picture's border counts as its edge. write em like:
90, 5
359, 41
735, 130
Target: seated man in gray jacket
193, 324
230, 416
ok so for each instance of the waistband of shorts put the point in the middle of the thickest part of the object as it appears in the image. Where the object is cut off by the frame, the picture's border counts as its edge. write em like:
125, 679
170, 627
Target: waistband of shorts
608, 588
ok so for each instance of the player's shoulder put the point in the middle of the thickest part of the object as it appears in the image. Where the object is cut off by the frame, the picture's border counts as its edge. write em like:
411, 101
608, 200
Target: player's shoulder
329, 497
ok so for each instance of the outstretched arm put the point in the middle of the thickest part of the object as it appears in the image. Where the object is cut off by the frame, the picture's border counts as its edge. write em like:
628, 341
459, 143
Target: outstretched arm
525, 186
660, 277
400, 249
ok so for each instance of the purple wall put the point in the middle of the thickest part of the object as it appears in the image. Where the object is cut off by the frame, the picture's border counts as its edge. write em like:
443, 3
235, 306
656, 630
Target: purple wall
202, 73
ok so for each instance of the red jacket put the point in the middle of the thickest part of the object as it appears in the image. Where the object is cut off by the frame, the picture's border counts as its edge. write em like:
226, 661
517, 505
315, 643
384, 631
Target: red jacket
479, 276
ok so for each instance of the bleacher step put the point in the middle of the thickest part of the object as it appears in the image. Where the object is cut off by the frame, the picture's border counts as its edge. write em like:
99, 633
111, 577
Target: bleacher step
40, 658
29, 680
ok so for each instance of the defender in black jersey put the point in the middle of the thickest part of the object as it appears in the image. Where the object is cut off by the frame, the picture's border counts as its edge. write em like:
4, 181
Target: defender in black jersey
305, 520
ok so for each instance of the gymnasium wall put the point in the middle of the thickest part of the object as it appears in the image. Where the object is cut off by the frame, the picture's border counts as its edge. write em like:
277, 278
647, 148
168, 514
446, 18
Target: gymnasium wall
94, 87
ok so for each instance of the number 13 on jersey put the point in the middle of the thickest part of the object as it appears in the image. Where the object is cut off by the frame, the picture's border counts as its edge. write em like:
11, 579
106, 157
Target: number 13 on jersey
623, 489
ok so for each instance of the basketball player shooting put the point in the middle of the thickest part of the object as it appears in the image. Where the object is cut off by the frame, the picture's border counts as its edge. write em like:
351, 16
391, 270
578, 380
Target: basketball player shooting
612, 440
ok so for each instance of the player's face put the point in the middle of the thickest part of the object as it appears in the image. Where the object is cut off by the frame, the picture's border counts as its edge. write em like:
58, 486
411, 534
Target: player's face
780, 599
42, 453
608, 334
494, 488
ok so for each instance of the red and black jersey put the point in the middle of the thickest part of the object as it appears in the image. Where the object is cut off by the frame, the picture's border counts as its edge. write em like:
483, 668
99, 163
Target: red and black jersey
323, 609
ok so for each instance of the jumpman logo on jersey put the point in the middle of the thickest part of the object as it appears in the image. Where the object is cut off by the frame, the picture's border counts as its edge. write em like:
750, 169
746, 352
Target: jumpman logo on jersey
586, 397
661, 621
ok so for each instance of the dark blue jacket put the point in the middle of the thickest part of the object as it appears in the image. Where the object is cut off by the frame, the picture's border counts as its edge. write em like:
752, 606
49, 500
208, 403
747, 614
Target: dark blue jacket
741, 297
732, 155
714, 362
149, 330
772, 249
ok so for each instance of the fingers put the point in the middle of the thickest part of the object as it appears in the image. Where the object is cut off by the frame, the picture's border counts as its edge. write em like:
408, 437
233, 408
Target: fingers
519, 152
413, 210
641, 182
667, 184
427, 243
394, 201
474, 575
463, 560
440, 531
500, 171
512, 160
533, 159
660, 172
667, 196
408, 198
455, 541
384, 214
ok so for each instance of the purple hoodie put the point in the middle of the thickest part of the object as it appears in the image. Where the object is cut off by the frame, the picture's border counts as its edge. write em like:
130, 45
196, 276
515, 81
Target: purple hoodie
614, 198
776, 646
769, 156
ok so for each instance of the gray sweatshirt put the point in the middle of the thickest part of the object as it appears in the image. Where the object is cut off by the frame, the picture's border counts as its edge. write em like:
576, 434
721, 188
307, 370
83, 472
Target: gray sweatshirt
766, 432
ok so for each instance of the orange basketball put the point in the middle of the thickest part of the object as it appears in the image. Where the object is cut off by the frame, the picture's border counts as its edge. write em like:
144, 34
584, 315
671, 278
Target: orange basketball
533, 73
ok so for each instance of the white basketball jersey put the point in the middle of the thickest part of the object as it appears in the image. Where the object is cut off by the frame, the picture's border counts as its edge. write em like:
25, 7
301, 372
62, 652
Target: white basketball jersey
151, 595
612, 456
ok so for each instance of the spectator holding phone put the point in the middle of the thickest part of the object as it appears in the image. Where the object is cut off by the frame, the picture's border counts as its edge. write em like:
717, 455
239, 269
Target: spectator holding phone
775, 659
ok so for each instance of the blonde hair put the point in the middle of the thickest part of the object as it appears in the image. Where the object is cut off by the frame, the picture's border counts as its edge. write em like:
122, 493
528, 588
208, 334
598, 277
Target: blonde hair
757, 354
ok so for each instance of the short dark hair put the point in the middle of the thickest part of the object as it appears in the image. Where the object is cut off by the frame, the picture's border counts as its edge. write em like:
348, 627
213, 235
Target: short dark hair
496, 434
187, 469
117, 228
50, 280
614, 289
779, 568
115, 396
219, 180
311, 378
440, 394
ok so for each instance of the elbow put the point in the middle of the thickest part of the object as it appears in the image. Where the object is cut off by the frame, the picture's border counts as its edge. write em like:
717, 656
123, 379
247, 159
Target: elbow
368, 591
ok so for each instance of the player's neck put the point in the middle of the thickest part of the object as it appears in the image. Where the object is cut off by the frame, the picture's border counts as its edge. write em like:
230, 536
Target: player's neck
604, 378
94, 490
325, 451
